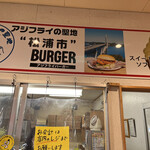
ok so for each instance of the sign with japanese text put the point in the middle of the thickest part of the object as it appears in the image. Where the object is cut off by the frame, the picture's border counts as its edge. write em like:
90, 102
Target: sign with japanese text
51, 138
137, 50
37, 48
41, 47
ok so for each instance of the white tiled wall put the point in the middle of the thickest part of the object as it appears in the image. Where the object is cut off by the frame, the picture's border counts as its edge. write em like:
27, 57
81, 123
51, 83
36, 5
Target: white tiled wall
74, 16
16, 12
108, 4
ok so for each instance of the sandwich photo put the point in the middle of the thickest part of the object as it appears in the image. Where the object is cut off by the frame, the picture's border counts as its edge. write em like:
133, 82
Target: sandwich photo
105, 61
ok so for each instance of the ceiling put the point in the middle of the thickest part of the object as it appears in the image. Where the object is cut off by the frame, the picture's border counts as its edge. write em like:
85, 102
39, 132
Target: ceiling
119, 5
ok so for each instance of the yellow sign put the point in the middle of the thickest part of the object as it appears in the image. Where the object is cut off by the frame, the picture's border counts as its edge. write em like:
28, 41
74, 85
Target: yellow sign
6, 142
51, 138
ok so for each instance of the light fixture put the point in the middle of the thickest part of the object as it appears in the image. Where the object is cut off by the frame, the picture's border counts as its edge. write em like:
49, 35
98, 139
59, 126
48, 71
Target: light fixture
6, 89
56, 92
118, 45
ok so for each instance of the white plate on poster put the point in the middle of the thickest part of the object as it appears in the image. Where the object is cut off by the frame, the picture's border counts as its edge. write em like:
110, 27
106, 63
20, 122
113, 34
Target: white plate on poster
118, 65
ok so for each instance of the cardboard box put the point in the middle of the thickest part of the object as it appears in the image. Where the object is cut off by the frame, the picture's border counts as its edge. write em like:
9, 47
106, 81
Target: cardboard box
77, 118
83, 134
68, 118
78, 125
60, 123
51, 120
61, 120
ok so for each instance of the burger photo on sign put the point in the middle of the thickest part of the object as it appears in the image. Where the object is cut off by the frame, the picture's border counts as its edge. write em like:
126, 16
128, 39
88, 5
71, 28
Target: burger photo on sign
104, 50
105, 62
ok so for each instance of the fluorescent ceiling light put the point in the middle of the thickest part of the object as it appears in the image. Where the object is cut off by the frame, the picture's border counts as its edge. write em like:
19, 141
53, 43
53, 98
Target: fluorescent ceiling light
57, 92
6, 89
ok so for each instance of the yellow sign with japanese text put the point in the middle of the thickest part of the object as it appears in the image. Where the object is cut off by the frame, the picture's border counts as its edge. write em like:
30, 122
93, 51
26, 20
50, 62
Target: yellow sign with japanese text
51, 138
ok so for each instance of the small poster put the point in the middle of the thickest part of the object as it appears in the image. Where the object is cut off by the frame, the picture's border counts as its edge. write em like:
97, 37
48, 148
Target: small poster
51, 138
98, 140
132, 127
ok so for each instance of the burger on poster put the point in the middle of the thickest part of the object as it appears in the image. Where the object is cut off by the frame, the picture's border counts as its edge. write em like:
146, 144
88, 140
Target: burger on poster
105, 61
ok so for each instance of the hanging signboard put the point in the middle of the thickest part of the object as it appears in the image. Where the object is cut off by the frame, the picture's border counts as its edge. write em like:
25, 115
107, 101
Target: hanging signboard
49, 48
